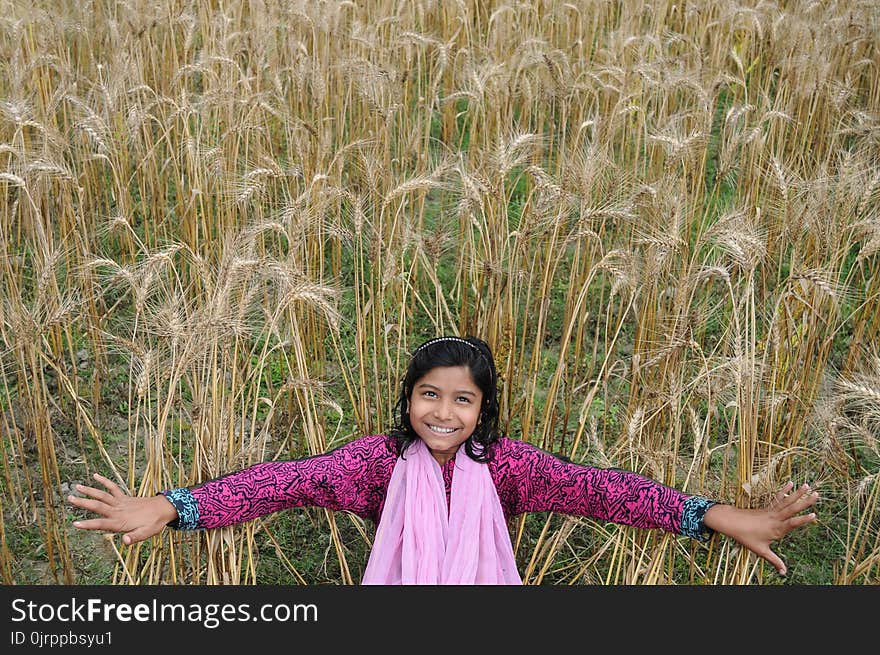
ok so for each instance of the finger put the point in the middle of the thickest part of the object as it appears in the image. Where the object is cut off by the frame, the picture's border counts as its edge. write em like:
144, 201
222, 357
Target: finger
793, 496
806, 501
107, 482
135, 536
799, 521
95, 524
774, 560
799, 501
97, 494
781, 494
95, 506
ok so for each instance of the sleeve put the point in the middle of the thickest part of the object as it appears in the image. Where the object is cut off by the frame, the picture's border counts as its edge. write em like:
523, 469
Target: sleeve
353, 477
538, 481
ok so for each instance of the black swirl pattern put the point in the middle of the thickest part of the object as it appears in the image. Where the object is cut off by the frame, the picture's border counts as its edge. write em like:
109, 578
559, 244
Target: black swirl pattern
355, 478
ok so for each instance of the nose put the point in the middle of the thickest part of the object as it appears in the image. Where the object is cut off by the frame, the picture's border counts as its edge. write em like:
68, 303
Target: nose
443, 410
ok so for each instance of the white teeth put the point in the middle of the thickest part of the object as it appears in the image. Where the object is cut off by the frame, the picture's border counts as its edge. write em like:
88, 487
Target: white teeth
437, 428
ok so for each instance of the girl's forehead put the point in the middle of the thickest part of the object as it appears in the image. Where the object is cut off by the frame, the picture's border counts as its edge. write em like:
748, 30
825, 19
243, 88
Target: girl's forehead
448, 375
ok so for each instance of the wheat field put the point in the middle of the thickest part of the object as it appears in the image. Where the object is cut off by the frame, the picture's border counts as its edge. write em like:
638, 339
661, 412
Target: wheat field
225, 226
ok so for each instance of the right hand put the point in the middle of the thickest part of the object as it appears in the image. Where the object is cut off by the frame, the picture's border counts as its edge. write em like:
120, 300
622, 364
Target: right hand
138, 518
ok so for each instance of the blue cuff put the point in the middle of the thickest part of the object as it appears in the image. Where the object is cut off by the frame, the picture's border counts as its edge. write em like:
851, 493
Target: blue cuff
692, 518
187, 509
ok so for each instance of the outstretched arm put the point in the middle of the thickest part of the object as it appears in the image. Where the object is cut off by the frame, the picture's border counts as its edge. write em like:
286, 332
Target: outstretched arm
352, 477
533, 480
137, 518
756, 529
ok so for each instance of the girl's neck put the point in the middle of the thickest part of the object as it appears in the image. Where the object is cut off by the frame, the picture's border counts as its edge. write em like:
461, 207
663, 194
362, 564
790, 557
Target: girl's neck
442, 458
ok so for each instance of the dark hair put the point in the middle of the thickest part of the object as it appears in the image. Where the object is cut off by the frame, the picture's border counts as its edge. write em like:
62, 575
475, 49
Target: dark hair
452, 351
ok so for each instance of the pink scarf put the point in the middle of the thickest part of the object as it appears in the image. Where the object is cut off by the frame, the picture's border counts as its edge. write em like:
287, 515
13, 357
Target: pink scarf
419, 542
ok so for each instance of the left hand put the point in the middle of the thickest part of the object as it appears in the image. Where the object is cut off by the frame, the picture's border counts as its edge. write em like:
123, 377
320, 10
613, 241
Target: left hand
756, 529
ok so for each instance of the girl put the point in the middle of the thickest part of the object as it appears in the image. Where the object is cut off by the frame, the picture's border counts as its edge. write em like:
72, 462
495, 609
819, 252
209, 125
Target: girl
442, 485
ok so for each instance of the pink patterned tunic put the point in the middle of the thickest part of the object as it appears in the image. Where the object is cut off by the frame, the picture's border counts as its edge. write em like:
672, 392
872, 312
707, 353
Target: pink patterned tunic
355, 478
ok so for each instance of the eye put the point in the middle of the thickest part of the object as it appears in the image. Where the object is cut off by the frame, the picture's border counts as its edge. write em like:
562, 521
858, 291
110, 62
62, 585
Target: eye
465, 399
429, 394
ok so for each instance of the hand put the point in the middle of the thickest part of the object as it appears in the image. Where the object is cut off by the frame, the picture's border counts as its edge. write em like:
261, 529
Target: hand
756, 529
138, 518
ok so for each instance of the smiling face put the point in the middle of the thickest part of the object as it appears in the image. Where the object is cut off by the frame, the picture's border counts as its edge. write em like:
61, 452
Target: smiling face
444, 407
